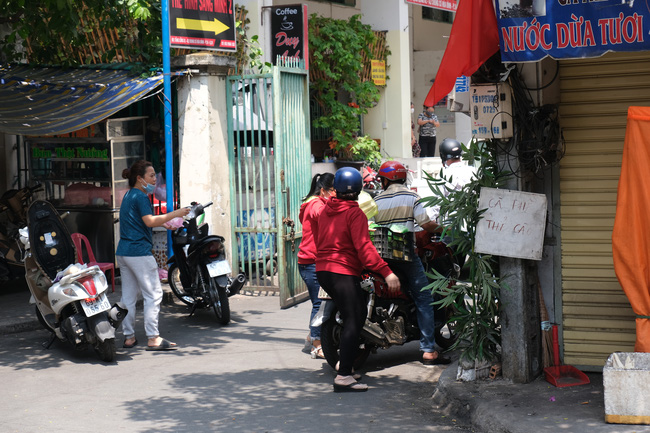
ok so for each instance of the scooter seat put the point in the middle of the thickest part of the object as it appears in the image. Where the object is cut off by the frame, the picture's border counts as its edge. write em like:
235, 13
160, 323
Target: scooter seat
49, 238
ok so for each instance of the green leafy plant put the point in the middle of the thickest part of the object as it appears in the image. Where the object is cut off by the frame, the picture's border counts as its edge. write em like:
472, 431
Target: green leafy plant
364, 149
73, 33
475, 302
337, 49
252, 47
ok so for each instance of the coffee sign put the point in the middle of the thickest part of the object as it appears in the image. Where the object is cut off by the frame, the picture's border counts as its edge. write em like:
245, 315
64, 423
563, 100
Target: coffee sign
289, 32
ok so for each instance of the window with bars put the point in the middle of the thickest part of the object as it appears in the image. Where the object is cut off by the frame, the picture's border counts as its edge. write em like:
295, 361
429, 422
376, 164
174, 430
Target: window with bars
438, 15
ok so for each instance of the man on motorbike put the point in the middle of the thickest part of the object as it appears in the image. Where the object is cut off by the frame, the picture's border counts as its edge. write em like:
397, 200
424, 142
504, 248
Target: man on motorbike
399, 205
456, 174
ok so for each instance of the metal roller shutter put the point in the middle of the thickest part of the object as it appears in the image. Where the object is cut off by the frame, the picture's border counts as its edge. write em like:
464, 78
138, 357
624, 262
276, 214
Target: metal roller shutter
595, 93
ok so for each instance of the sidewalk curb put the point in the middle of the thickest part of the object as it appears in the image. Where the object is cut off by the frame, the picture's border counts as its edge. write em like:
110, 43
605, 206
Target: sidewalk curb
15, 328
35, 325
463, 400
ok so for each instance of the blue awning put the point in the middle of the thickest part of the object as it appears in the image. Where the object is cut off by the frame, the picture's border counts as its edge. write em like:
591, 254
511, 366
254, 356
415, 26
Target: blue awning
49, 101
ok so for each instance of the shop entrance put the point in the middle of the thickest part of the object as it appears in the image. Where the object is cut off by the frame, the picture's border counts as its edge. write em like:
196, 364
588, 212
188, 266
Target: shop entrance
269, 158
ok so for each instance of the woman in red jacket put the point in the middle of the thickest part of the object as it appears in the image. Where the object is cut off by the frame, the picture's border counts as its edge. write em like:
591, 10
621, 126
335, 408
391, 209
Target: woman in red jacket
321, 189
344, 250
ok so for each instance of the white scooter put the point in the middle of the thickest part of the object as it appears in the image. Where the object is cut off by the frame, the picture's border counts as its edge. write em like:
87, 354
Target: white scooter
71, 299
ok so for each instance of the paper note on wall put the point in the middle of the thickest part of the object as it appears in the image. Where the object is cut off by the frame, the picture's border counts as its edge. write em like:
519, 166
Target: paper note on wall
512, 225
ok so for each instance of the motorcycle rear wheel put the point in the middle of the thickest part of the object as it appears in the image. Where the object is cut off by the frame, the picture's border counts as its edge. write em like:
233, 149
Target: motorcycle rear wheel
174, 279
106, 350
331, 340
220, 302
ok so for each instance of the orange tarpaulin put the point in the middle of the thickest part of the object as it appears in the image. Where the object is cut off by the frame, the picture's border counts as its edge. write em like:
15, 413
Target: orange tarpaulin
630, 239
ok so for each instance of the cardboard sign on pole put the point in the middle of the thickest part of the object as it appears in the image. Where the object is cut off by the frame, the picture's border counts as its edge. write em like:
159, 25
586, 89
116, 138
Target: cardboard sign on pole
512, 225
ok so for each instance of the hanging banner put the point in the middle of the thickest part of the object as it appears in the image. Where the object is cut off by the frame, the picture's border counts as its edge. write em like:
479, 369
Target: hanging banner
289, 32
202, 25
445, 5
530, 30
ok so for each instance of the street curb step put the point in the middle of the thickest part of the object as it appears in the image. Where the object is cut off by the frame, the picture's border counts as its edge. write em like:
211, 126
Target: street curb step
35, 325
464, 402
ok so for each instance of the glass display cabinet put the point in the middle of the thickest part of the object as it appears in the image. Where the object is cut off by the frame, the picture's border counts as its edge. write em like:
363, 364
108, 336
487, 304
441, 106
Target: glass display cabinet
83, 176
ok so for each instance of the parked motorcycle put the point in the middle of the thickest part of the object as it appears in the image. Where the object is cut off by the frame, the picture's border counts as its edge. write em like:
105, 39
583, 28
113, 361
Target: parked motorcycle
13, 216
71, 299
198, 271
371, 182
392, 315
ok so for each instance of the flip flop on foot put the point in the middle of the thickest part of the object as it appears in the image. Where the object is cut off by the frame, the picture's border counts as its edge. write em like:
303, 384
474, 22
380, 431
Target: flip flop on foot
164, 345
130, 346
353, 387
439, 360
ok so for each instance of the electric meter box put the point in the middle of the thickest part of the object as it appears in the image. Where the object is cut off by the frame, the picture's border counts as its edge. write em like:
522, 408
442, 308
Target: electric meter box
491, 110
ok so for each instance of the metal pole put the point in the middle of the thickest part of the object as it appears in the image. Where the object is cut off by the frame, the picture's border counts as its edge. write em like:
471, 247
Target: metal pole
167, 102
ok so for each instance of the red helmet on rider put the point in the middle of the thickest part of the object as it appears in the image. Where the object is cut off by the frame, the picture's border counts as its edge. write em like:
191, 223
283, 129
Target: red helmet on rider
392, 170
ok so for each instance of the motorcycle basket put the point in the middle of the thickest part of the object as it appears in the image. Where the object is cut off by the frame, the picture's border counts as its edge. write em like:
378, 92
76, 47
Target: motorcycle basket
393, 245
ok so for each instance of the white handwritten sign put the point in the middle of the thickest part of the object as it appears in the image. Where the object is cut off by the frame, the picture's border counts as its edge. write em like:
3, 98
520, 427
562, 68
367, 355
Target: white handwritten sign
512, 225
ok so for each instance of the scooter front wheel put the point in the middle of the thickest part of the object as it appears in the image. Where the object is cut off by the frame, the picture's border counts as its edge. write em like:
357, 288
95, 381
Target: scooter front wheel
42, 320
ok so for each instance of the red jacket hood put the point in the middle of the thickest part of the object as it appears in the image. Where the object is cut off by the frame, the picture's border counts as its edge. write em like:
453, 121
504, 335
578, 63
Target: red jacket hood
336, 205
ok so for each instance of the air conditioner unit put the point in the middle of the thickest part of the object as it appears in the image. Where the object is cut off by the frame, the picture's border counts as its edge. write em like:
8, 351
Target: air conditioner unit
458, 98
491, 110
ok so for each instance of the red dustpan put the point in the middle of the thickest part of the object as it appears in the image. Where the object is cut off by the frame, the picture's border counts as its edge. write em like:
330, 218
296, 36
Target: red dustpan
563, 375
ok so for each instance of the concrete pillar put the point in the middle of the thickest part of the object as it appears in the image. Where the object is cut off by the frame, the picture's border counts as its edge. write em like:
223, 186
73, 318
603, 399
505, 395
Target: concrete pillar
203, 164
390, 120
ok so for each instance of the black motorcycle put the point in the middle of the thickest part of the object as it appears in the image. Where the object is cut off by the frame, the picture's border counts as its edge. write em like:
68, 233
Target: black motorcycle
198, 270
392, 315
391, 320
13, 216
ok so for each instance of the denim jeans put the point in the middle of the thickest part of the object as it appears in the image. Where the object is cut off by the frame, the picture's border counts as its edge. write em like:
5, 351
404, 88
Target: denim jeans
416, 280
308, 274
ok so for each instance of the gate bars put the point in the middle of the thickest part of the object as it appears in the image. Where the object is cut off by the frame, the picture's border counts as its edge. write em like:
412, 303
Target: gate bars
269, 159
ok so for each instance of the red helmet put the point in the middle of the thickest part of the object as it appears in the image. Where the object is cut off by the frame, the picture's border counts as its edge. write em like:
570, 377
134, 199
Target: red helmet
392, 170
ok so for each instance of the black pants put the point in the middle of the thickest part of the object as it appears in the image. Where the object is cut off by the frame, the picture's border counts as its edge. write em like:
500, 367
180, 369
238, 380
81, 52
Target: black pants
350, 300
428, 146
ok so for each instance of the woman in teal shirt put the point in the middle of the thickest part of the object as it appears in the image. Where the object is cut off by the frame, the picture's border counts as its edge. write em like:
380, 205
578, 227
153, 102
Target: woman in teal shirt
138, 267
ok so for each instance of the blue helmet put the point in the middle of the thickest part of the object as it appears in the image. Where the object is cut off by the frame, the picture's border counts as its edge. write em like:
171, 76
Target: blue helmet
347, 180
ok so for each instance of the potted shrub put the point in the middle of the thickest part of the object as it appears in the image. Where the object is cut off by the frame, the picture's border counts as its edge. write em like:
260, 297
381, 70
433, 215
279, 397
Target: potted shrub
337, 50
477, 321
362, 150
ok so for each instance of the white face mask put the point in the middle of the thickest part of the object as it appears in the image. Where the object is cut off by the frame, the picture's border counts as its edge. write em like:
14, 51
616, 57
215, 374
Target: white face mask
412, 110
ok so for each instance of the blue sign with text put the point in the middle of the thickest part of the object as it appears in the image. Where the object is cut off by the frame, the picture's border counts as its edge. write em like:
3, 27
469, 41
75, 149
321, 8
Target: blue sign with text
530, 30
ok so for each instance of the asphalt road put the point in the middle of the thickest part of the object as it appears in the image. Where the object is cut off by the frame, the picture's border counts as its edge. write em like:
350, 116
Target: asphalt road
249, 376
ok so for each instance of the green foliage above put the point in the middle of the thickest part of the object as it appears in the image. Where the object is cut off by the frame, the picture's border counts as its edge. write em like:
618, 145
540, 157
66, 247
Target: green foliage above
337, 49
476, 301
56, 28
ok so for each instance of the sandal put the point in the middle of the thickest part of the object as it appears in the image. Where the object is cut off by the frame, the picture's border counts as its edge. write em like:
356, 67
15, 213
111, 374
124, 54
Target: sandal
317, 352
130, 346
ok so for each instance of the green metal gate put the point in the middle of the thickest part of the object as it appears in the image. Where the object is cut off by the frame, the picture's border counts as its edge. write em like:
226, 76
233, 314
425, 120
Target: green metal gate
269, 155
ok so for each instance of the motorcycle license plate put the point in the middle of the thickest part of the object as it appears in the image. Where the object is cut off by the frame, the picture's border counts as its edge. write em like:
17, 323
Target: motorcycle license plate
215, 269
96, 306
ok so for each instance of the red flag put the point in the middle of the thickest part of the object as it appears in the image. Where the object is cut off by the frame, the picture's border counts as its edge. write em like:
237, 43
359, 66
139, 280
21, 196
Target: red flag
473, 39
